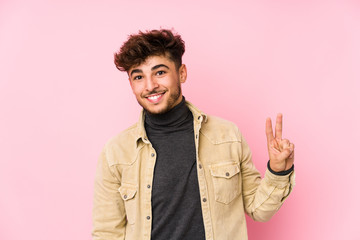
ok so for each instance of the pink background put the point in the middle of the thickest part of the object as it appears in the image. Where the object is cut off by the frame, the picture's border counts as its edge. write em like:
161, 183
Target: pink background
61, 99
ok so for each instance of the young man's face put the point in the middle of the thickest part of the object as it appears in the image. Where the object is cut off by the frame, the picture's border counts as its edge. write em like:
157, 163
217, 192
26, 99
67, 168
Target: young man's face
157, 84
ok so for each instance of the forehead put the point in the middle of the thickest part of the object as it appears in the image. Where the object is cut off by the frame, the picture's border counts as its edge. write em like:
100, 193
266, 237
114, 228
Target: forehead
152, 61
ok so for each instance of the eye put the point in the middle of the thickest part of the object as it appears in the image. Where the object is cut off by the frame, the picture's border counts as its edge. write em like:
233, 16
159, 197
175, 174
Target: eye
160, 72
137, 77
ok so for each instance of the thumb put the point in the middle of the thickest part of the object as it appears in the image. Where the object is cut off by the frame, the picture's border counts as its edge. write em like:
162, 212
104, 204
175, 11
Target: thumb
285, 153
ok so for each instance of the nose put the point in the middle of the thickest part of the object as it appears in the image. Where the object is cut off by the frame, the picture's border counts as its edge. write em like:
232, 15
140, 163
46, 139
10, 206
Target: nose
151, 84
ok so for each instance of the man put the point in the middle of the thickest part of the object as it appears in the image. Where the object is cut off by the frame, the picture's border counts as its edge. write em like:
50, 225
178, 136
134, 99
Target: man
179, 173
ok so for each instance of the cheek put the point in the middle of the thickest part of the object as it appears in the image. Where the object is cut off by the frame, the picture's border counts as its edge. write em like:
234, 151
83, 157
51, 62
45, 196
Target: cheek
136, 88
170, 83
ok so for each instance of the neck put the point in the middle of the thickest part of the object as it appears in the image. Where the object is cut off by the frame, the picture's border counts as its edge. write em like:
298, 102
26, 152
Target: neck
174, 117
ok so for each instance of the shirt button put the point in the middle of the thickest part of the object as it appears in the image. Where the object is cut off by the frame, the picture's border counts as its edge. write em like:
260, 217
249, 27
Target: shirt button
227, 174
148, 217
196, 136
199, 117
153, 154
125, 196
204, 199
200, 166
148, 186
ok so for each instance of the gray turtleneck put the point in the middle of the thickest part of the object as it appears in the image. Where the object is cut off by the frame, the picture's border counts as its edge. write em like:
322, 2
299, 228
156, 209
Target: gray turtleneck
176, 206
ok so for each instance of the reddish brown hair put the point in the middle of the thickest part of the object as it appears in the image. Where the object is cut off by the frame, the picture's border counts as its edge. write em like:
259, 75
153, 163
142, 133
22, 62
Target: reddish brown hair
140, 46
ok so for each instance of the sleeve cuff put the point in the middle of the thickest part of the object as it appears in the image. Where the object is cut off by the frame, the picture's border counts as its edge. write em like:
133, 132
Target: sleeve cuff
282, 173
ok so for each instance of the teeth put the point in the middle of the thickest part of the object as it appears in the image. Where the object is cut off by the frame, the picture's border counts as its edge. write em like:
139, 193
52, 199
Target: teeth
154, 97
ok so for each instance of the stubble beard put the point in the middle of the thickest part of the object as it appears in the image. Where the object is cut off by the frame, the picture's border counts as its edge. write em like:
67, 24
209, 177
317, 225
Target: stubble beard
170, 103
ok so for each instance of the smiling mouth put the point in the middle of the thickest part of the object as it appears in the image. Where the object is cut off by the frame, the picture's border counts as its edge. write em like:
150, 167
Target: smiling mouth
155, 98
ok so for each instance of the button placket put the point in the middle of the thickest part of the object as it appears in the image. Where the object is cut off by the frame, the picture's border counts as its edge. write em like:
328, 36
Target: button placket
205, 208
150, 164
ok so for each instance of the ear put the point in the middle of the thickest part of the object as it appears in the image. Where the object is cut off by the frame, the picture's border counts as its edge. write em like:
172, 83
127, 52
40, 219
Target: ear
182, 73
131, 84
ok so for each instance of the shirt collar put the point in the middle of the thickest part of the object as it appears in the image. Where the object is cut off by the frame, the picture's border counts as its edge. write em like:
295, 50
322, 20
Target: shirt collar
141, 136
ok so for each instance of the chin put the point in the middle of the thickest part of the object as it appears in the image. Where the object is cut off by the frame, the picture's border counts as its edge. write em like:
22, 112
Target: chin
156, 110
162, 107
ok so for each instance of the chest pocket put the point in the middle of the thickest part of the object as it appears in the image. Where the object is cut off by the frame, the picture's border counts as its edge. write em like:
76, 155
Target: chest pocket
128, 195
225, 177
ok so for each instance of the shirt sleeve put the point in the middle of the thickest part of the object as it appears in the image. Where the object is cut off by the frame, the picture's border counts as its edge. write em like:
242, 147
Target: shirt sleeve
109, 217
262, 197
282, 173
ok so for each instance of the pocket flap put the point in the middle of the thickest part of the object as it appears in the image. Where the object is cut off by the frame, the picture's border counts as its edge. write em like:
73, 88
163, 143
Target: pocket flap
225, 170
127, 193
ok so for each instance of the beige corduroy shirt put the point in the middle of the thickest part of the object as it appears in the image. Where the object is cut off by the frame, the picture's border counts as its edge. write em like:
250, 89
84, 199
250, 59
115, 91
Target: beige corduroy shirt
229, 183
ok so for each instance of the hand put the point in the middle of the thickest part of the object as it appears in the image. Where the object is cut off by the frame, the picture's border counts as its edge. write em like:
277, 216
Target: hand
281, 151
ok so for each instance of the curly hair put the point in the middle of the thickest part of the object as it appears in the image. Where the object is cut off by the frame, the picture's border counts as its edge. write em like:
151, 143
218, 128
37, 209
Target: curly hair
140, 46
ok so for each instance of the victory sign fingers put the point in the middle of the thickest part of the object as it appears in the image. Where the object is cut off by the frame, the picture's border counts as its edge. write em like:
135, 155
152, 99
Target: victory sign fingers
281, 151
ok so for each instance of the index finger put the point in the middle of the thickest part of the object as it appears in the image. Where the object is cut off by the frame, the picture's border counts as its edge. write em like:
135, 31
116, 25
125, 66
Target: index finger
278, 127
268, 130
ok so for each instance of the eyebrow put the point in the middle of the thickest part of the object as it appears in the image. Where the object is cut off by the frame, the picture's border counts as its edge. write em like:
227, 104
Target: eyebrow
135, 71
159, 66
152, 69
